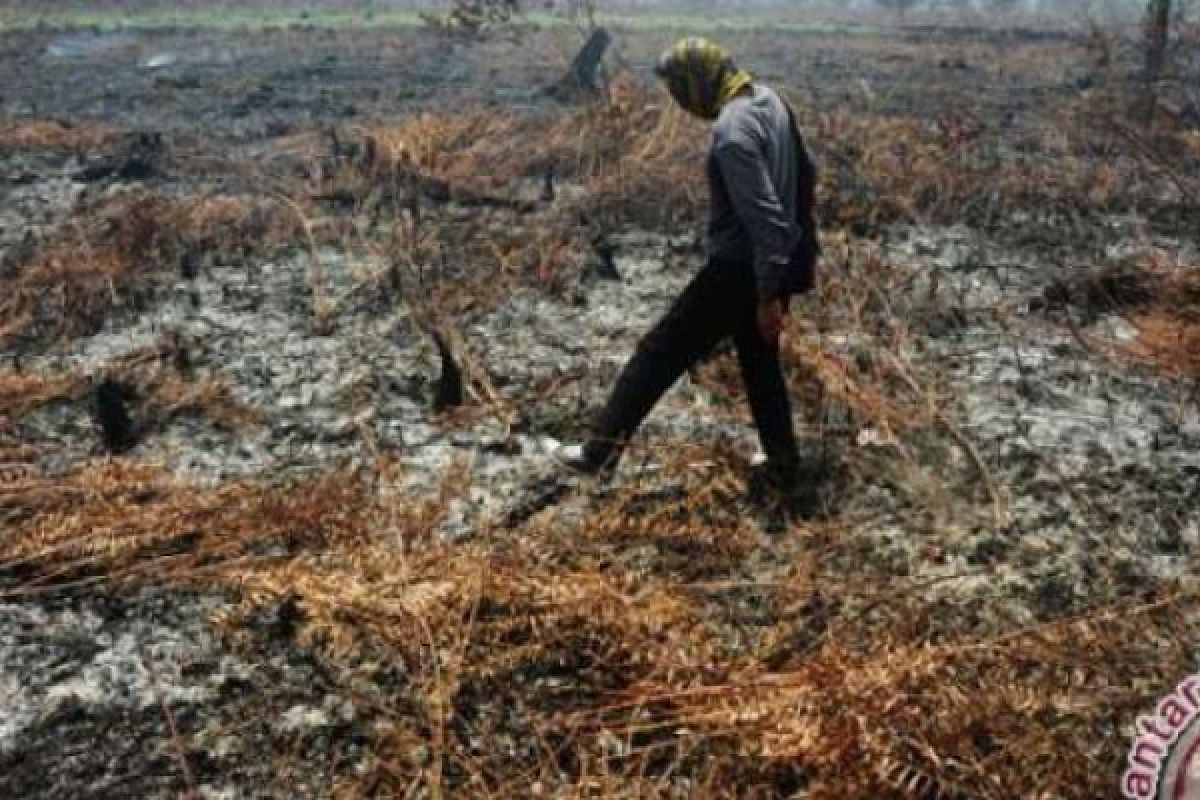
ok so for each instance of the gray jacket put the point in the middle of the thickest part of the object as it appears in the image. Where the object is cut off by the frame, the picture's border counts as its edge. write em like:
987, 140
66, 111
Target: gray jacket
753, 172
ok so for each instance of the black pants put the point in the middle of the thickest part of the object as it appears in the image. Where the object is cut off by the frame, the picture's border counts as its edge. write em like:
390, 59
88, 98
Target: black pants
719, 302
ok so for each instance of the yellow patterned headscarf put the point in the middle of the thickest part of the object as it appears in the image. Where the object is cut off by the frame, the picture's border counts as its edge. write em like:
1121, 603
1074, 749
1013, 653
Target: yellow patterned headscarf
701, 76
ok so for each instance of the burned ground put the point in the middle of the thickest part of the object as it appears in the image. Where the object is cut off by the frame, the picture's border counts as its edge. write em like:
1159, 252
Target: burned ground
248, 260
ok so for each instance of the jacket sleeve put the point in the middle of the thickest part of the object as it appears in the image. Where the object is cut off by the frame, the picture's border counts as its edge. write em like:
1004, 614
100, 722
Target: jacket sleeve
774, 234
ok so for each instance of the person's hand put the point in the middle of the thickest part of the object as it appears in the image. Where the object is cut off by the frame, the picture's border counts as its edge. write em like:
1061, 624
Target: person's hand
772, 314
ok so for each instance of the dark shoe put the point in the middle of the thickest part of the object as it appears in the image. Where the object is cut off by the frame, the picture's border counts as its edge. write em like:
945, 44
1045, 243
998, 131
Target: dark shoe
784, 495
769, 481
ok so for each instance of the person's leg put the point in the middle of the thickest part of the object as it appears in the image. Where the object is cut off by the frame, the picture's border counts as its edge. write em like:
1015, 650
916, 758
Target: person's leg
700, 317
767, 391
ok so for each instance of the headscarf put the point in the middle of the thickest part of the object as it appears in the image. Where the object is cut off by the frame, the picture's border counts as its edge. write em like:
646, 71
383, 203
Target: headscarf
701, 76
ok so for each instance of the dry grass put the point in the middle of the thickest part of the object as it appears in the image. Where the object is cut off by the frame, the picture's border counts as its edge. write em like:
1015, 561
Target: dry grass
1168, 326
55, 135
960, 169
611, 673
549, 185
117, 250
905, 719
20, 392
120, 521
228, 225
1168, 342
71, 283
610, 150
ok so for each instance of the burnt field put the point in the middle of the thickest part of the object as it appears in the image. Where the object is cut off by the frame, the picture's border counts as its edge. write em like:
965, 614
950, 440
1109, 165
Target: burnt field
291, 319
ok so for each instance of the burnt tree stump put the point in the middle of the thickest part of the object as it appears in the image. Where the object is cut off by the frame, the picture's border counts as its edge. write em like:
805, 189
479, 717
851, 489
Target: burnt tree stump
110, 401
139, 159
584, 76
449, 392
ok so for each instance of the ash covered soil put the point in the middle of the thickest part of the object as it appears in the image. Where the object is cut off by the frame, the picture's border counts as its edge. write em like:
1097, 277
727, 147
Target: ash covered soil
1064, 475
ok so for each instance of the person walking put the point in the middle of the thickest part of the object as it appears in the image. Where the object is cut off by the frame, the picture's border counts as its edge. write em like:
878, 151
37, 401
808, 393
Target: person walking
762, 250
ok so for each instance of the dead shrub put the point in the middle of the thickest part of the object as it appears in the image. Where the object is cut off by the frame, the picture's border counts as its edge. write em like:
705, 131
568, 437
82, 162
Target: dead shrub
20, 392
55, 135
1168, 322
74, 280
118, 248
547, 186
880, 170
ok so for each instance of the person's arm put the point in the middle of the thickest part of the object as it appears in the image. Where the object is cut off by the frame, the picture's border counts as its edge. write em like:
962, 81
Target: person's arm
773, 233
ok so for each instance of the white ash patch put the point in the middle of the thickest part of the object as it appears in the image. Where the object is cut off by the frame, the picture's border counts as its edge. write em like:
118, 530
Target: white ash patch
302, 719
1098, 462
36, 209
87, 684
55, 660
